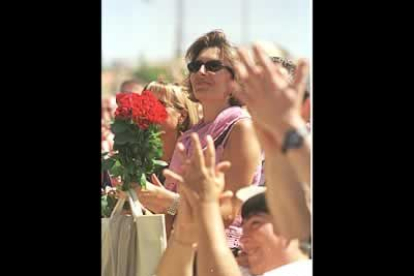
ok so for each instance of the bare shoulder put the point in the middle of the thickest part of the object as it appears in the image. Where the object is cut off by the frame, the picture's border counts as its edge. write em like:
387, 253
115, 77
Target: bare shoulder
242, 129
242, 136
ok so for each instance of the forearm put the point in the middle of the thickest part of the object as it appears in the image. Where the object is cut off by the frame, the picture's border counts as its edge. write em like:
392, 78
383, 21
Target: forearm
298, 158
288, 198
178, 259
214, 257
169, 222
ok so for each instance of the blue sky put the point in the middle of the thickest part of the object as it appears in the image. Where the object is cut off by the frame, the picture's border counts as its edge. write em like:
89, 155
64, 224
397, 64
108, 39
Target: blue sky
134, 28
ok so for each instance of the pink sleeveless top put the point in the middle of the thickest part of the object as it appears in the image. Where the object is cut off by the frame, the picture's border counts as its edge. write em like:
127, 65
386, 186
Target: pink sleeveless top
223, 122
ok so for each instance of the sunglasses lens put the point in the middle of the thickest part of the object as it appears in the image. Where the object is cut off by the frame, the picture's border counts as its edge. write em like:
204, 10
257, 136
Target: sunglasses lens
194, 66
214, 65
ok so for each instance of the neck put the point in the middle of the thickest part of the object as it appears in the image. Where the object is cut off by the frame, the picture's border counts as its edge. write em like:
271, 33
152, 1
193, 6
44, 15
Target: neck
169, 140
211, 111
285, 257
295, 256
294, 253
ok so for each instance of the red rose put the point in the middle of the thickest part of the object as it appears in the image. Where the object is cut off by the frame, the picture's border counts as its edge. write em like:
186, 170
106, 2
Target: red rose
144, 109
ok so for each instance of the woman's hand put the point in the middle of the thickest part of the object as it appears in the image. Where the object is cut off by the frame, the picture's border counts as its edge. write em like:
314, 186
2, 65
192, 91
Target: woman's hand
155, 197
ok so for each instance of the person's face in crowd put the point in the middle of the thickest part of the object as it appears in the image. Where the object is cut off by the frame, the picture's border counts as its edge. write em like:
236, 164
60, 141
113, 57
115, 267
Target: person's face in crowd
175, 117
106, 115
211, 86
106, 110
134, 88
260, 244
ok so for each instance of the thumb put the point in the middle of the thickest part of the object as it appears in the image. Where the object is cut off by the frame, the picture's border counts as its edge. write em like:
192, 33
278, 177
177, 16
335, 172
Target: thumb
173, 175
226, 195
222, 167
301, 77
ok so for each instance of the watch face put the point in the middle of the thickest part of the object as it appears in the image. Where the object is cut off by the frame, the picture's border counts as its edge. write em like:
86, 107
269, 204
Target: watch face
295, 139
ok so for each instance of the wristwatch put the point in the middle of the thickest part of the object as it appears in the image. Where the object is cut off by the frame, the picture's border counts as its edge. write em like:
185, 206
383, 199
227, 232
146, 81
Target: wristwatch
294, 138
172, 210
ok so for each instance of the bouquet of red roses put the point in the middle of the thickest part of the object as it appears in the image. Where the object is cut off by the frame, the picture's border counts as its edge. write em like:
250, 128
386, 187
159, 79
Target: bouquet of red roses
137, 145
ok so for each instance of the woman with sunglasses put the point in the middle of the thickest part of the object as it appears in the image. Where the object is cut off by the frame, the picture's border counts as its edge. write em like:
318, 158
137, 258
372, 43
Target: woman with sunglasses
211, 82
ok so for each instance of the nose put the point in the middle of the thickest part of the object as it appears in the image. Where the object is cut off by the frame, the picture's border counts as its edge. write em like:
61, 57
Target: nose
244, 239
202, 69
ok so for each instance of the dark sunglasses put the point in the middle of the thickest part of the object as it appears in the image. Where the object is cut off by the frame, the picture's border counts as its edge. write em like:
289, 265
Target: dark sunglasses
211, 65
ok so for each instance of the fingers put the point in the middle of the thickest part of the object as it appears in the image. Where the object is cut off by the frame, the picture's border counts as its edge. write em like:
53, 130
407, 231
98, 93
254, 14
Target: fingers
156, 181
247, 75
246, 59
181, 152
197, 156
271, 71
173, 175
210, 152
300, 80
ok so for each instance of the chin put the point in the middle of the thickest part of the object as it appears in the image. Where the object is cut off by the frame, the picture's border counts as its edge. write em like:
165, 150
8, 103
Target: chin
201, 89
258, 262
